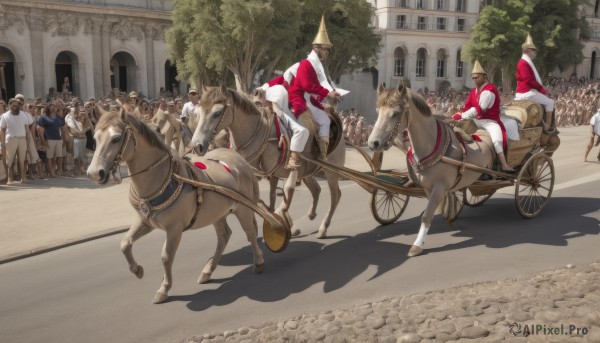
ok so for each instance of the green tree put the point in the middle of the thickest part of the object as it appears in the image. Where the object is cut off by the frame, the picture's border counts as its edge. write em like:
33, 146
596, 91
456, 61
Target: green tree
214, 35
355, 45
210, 37
555, 25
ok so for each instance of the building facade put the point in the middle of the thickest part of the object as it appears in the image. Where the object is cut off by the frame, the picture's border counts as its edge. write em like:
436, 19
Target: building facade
96, 45
422, 43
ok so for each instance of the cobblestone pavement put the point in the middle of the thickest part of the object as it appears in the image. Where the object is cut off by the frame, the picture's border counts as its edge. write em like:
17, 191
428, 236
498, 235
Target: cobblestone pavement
554, 306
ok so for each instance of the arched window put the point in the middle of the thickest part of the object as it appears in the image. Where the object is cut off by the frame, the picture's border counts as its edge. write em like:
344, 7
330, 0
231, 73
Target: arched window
441, 63
421, 62
459, 64
399, 60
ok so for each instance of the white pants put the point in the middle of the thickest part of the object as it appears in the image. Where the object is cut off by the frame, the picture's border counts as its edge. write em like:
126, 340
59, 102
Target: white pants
321, 118
495, 132
299, 132
16, 147
537, 97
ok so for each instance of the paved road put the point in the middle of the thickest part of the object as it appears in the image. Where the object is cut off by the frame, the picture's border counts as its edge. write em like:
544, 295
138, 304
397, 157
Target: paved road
86, 292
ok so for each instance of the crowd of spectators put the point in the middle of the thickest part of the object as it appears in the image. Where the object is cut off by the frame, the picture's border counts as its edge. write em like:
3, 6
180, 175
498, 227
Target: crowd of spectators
53, 136
59, 139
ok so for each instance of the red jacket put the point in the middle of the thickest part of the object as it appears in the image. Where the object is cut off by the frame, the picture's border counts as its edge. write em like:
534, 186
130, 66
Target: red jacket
279, 80
306, 81
526, 78
492, 113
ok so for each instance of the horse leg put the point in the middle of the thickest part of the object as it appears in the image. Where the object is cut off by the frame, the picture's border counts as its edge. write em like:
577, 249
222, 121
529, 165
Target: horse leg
137, 230
272, 192
336, 194
315, 190
248, 222
288, 194
223, 234
435, 199
168, 256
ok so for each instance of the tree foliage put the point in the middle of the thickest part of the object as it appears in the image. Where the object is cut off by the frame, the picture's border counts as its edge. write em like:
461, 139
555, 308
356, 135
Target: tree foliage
210, 37
556, 27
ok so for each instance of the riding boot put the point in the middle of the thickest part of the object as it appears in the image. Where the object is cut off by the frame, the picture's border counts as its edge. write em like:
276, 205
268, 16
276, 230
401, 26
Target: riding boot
323, 145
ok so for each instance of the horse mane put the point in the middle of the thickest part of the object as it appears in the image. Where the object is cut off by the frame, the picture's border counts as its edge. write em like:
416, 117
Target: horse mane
214, 96
391, 98
420, 104
114, 119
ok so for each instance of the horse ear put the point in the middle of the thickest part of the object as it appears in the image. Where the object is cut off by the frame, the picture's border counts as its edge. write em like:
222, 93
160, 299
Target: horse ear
380, 89
401, 89
123, 115
203, 87
100, 110
223, 89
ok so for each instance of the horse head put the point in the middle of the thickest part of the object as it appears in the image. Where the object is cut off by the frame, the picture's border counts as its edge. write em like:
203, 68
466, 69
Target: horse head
112, 144
214, 115
392, 116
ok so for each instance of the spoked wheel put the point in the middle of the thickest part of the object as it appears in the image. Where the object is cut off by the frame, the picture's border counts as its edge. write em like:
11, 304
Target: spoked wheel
453, 205
387, 207
473, 200
534, 185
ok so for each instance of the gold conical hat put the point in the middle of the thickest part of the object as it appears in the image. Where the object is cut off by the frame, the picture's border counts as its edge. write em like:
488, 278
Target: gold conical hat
322, 38
528, 43
478, 69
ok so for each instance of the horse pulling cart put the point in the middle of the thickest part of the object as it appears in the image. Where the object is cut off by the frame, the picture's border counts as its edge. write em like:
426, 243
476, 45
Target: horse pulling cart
390, 190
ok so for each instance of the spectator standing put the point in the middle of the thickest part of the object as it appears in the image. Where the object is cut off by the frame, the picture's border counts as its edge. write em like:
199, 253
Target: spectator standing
50, 128
77, 130
14, 125
595, 133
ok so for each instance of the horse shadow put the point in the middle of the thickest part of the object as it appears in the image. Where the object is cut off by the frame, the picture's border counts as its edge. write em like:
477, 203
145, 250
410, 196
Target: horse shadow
558, 222
307, 263
304, 264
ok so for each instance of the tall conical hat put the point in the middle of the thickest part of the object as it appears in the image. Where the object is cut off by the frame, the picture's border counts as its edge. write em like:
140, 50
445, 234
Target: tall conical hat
322, 38
478, 69
528, 43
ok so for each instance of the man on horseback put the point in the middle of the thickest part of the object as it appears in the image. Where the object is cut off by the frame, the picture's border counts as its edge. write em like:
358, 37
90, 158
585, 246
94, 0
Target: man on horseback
529, 84
483, 105
311, 86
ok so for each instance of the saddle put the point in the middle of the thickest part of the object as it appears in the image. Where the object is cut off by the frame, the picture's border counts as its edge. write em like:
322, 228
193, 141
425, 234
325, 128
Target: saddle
336, 131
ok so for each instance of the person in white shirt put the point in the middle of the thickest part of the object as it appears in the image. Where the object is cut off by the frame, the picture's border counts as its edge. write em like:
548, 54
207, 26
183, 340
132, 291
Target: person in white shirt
15, 125
595, 131
189, 108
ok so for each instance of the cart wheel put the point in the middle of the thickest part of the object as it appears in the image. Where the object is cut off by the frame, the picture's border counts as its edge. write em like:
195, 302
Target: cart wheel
475, 200
453, 205
387, 207
534, 185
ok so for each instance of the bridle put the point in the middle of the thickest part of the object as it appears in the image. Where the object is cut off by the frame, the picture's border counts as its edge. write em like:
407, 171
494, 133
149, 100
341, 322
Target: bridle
396, 130
116, 172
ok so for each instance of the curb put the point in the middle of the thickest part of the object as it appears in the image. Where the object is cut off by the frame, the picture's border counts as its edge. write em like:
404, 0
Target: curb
43, 250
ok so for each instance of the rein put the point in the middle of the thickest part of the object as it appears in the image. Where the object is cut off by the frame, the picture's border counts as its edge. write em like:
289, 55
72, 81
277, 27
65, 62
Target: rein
118, 159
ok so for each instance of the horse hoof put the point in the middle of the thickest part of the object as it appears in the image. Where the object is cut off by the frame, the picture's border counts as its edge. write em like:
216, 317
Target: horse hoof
321, 234
296, 232
139, 272
204, 278
312, 216
258, 268
160, 298
415, 251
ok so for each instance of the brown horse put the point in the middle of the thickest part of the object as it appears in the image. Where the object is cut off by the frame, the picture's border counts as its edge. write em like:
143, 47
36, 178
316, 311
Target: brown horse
430, 139
255, 138
163, 201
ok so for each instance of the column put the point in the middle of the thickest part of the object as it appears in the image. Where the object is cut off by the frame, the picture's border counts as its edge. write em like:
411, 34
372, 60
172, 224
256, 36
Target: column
97, 58
105, 43
36, 30
149, 34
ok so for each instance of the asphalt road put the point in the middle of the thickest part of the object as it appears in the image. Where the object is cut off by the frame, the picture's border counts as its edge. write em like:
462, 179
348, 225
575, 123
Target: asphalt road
86, 293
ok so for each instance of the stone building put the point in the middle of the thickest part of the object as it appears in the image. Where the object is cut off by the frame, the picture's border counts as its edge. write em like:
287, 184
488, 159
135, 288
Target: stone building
422, 42
96, 44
